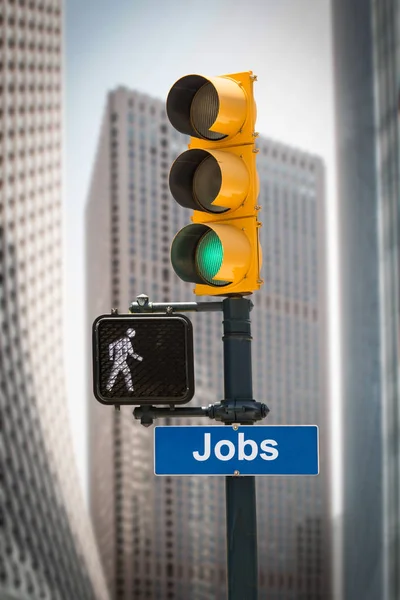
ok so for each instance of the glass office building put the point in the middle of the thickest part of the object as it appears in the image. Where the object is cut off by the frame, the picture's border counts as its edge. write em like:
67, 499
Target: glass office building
367, 68
47, 547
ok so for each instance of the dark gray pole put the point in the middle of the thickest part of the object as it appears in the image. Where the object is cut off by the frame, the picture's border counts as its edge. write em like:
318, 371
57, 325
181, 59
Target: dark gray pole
241, 519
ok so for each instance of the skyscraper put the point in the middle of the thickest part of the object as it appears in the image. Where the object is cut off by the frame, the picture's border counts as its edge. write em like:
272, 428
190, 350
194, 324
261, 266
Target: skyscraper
47, 548
290, 367
165, 537
366, 52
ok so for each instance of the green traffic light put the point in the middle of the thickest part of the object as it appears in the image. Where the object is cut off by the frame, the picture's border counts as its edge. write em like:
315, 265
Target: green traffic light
209, 256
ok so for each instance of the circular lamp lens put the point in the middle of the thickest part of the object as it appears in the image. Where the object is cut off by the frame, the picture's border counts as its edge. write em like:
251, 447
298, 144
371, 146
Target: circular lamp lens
204, 112
207, 182
209, 256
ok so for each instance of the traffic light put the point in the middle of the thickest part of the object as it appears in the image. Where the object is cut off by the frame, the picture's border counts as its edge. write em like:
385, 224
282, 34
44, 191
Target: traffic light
143, 359
217, 178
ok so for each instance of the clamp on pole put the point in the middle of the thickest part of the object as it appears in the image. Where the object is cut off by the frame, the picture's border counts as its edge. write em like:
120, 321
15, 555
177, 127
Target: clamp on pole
245, 412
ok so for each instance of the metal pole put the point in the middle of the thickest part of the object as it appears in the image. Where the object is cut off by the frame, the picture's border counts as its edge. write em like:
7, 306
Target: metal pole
241, 519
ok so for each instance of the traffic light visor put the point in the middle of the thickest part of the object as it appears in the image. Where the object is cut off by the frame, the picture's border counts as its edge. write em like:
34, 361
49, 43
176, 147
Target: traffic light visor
211, 254
210, 181
207, 108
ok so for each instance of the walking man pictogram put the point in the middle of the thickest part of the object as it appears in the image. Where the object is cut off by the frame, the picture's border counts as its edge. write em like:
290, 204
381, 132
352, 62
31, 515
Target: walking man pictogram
119, 352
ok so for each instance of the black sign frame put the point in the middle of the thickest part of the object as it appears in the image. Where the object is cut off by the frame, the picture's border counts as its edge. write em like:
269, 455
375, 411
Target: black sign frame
130, 321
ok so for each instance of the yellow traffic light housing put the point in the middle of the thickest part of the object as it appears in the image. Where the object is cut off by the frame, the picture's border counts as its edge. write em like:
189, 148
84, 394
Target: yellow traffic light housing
217, 178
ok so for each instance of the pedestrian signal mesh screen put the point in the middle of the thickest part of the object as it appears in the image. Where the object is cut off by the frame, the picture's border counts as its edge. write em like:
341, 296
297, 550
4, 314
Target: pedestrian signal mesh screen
143, 359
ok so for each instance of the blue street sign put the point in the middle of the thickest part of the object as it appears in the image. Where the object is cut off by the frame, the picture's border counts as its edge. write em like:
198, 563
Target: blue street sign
249, 450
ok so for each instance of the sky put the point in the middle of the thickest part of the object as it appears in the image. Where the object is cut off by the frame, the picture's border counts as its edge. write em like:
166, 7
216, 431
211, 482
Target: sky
147, 45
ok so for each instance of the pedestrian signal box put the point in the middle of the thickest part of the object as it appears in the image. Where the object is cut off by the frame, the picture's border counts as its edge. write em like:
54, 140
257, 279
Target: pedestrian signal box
145, 359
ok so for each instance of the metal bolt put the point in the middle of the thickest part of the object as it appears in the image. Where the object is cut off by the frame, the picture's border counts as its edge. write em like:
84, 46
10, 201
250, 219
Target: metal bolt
253, 77
114, 311
257, 207
236, 473
235, 426
255, 134
142, 299
169, 310
256, 150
